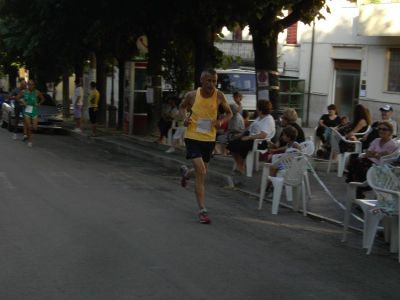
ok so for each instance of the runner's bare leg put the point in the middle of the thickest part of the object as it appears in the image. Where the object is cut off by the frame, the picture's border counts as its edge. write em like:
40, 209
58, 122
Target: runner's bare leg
200, 171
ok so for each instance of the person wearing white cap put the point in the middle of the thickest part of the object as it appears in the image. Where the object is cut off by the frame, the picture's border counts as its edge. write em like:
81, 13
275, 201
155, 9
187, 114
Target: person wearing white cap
386, 115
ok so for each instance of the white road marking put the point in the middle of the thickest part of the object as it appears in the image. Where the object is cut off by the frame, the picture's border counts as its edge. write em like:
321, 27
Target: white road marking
5, 182
54, 178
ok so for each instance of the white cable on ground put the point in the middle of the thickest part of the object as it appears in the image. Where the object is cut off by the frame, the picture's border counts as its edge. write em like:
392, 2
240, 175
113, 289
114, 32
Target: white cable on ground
325, 188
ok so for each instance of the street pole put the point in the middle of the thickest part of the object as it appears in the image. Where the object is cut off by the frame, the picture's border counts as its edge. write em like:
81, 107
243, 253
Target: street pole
310, 74
112, 110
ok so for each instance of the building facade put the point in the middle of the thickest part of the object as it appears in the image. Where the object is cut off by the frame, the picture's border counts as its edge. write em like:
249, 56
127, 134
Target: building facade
352, 56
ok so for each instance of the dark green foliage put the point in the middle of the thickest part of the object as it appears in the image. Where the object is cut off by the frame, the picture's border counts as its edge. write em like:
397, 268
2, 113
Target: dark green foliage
52, 37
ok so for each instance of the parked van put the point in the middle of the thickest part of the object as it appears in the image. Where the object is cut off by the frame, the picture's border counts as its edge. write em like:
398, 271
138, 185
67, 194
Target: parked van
243, 81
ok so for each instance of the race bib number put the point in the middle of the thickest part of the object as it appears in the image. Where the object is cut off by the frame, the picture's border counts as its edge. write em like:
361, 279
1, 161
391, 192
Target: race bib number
29, 108
203, 125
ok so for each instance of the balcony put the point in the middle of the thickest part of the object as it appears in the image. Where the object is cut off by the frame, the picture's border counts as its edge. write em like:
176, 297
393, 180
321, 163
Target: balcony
243, 49
379, 19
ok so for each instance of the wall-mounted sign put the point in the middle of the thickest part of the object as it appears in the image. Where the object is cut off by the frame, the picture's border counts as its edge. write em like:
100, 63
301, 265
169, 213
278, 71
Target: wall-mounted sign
363, 88
262, 78
142, 44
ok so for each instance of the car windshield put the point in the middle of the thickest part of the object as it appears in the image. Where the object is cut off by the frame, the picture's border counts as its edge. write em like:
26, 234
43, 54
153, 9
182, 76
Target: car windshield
232, 82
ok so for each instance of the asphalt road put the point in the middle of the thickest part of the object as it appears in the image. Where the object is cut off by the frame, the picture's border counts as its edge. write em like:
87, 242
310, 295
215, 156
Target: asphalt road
77, 222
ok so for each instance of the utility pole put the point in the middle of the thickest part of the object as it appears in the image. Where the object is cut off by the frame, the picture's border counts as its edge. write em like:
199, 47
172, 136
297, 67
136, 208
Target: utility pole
112, 110
66, 103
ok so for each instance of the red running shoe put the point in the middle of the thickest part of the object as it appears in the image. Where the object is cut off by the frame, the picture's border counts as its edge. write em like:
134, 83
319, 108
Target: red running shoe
203, 217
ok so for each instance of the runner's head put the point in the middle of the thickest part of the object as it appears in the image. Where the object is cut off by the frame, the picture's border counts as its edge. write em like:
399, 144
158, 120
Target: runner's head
22, 83
208, 80
31, 84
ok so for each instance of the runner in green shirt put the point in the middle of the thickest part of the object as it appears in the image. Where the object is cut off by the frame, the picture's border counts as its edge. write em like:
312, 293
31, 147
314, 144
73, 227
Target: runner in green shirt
29, 99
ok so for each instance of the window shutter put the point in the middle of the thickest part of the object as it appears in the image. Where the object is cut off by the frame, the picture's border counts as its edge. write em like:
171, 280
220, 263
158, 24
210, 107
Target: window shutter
291, 37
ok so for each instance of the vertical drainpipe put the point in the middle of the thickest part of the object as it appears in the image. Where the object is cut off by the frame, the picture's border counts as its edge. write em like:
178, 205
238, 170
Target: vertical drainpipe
310, 73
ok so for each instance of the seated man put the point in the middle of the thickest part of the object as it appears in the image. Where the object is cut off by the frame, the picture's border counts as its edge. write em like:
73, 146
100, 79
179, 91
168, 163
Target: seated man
386, 115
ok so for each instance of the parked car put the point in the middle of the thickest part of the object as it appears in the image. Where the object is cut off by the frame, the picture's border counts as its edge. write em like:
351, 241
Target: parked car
243, 81
50, 115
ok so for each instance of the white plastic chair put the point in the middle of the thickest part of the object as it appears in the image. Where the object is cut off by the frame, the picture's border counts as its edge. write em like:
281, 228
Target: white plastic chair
294, 164
387, 159
316, 140
342, 157
307, 148
365, 206
255, 153
387, 189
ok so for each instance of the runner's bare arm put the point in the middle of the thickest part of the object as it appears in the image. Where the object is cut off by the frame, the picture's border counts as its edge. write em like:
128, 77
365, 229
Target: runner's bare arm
227, 110
186, 105
40, 96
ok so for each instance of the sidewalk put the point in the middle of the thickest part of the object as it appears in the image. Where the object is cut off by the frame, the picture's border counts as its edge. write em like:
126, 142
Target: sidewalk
320, 206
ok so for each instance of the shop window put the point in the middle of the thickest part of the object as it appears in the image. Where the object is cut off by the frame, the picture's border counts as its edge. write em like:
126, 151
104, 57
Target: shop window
394, 70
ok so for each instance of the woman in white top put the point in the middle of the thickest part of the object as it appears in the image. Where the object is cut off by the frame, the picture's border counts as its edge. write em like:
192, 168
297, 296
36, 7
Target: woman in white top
261, 128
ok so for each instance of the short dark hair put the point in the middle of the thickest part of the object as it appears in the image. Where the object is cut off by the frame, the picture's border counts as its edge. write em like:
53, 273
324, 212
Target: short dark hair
209, 71
237, 93
264, 106
245, 113
93, 84
332, 107
290, 132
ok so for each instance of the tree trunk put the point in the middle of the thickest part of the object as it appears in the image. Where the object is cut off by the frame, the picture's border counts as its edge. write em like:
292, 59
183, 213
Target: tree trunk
204, 52
78, 68
66, 101
121, 92
12, 77
156, 47
101, 86
266, 60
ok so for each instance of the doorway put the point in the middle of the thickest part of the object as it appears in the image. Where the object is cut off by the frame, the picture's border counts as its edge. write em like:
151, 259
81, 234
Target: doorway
347, 86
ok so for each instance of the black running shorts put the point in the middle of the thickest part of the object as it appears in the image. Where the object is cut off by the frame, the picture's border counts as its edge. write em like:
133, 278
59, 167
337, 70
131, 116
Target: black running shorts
195, 149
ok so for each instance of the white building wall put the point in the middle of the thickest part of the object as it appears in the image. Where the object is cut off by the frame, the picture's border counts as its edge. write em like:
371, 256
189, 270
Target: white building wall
338, 37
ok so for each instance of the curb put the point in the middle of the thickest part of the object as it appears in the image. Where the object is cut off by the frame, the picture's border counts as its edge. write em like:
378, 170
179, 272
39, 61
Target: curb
166, 161
173, 163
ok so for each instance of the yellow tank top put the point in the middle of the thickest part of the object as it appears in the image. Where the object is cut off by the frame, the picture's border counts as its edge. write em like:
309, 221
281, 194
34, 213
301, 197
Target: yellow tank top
204, 115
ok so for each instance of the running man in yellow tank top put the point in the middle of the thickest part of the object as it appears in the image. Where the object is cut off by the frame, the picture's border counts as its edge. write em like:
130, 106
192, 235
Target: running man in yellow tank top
199, 111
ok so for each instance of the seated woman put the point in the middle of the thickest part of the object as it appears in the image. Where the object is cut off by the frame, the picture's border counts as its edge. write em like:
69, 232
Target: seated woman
381, 146
360, 123
262, 127
331, 119
235, 128
288, 118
